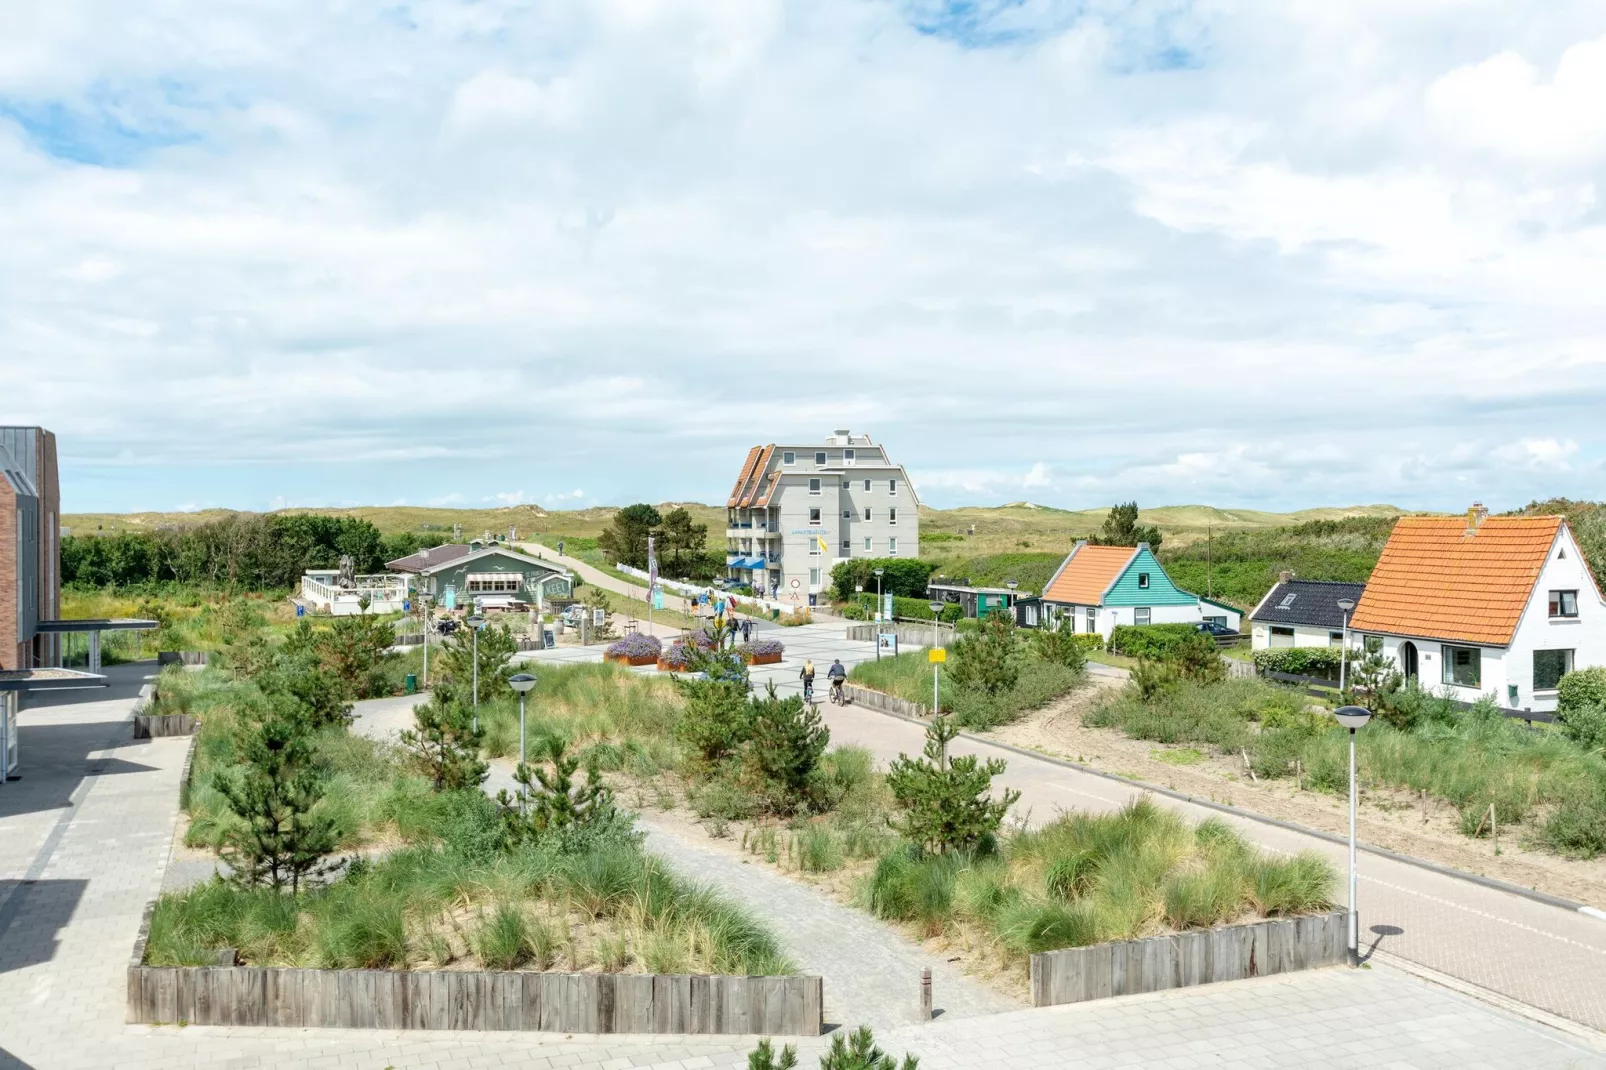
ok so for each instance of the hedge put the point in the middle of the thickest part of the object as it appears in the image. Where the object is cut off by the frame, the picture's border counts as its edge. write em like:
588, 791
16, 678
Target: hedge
903, 577
1300, 660
1156, 641
1581, 706
911, 608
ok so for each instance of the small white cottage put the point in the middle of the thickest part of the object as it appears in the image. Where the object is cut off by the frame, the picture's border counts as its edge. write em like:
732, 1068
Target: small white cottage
1497, 606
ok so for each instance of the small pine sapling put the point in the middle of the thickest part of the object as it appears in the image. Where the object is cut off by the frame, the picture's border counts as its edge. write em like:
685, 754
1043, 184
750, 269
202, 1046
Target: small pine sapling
947, 802
445, 743
283, 840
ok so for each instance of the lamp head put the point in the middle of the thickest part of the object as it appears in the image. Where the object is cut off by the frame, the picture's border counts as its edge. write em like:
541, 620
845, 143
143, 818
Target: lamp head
1346, 604
1011, 584
474, 621
879, 571
936, 608
1353, 717
522, 682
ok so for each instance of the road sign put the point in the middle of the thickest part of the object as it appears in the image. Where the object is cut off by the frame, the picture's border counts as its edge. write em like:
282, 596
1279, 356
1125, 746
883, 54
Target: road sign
888, 642
886, 607
657, 598
407, 605
301, 610
796, 582
936, 654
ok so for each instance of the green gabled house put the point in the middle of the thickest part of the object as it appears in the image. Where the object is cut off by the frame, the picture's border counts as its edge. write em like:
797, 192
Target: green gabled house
493, 575
1100, 587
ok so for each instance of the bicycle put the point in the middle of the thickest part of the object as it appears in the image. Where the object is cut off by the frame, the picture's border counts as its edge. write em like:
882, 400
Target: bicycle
839, 695
808, 692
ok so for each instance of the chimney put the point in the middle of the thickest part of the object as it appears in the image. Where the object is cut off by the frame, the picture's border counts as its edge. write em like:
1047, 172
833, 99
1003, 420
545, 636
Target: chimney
1475, 517
1285, 575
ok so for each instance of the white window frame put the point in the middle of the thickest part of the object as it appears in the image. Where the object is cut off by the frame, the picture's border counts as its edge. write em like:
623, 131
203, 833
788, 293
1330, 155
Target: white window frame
819, 458
1557, 604
869, 543
1092, 620
892, 546
892, 487
788, 457
867, 513
494, 582
847, 457
1142, 615
814, 577
847, 514
892, 516
867, 485
814, 486
1143, 581
1335, 638
815, 515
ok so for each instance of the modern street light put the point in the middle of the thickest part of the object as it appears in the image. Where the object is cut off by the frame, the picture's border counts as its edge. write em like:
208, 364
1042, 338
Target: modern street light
878, 574
1011, 584
522, 682
936, 703
1352, 717
1344, 604
476, 622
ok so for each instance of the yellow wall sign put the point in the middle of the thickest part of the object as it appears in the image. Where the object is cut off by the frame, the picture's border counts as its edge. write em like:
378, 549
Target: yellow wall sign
936, 654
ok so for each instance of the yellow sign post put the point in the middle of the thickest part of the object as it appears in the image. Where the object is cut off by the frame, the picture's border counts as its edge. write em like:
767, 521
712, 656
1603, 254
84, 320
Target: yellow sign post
936, 654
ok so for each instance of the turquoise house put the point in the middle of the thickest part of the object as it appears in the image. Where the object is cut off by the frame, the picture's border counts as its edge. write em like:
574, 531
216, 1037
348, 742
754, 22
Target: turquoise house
1101, 587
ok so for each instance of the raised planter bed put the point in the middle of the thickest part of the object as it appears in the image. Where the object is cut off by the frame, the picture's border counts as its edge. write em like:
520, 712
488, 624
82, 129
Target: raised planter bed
1182, 960
880, 700
165, 658
156, 725
625, 659
634, 650
762, 652
449, 999
762, 659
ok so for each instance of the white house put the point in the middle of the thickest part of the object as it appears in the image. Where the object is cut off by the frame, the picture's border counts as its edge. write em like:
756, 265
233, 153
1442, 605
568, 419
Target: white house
1496, 606
1302, 613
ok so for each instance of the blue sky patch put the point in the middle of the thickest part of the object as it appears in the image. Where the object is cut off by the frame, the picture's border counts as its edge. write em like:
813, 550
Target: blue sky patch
103, 130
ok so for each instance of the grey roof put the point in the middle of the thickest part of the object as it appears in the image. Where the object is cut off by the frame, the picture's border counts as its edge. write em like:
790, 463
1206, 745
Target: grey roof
434, 557
1312, 603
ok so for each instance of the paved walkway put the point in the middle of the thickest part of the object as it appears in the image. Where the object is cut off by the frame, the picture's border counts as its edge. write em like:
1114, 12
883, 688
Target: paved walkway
84, 839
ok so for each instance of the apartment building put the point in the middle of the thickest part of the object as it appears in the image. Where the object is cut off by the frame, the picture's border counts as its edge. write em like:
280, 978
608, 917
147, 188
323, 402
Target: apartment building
30, 547
796, 510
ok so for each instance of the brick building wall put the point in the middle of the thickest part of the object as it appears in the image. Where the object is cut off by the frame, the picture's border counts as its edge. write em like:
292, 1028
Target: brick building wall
12, 653
30, 589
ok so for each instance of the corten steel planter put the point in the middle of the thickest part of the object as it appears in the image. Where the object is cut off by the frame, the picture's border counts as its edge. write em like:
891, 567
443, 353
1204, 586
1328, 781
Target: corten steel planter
622, 659
762, 659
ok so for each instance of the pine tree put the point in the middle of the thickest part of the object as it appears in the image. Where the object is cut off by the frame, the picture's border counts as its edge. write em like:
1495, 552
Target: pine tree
283, 840
946, 802
859, 1052
785, 743
764, 1057
554, 803
446, 743
1060, 646
990, 659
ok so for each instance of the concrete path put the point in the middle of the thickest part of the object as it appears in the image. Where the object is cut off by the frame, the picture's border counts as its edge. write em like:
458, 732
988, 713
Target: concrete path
872, 973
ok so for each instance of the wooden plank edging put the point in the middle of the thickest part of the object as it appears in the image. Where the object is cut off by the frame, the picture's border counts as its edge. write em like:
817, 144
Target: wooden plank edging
450, 999
1185, 959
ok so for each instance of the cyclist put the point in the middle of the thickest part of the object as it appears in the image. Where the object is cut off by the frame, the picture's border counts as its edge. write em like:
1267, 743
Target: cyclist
808, 680
836, 674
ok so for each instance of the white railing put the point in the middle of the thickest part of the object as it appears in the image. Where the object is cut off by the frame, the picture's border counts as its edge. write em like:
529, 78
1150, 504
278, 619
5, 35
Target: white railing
382, 588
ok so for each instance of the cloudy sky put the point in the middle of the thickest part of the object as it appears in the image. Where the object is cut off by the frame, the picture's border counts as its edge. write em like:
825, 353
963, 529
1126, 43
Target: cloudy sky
1272, 254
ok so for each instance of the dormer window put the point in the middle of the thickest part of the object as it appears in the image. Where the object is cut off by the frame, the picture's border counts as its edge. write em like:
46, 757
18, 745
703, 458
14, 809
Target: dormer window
1143, 581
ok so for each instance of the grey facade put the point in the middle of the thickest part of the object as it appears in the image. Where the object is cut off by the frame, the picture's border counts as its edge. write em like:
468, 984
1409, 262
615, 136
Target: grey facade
796, 510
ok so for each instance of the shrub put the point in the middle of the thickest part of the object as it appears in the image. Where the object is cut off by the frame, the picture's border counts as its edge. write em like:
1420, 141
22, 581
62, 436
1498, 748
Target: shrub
1198, 659
715, 721
502, 940
946, 802
1149, 640
1039, 683
783, 749
282, 837
1581, 706
902, 577
914, 609
859, 1052
990, 660
1300, 660
445, 743
678, 657
1063, 645
635, 647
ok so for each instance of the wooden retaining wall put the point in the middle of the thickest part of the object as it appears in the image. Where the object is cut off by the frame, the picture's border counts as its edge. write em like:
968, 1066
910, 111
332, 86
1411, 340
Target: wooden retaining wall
1279, 945
165, 658
880, 700
444, 999
155, 725
910, 633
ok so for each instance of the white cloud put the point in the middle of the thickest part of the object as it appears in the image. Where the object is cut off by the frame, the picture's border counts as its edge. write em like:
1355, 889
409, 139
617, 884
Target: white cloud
1504, 105
1537, 453
1261, 253
508, 497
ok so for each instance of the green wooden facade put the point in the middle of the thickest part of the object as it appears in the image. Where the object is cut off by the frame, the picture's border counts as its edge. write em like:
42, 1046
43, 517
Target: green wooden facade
1129, 588
495, 572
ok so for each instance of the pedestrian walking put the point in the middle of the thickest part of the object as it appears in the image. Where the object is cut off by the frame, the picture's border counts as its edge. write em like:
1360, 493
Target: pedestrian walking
747, 631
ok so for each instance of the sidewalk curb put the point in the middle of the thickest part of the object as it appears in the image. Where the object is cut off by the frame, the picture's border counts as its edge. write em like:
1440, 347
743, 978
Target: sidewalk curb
1493, 883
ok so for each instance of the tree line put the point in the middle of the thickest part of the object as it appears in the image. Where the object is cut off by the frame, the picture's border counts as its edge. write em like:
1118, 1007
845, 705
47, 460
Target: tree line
243, 551
680, 544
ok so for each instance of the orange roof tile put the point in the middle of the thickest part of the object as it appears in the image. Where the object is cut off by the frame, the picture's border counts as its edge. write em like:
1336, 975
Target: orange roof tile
741, 480
1087, 573
755, 478
1436, 581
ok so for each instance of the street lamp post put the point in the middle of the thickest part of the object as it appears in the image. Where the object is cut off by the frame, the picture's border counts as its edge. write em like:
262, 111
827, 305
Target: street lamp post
476, 622
936, 635
1352, 717
1344, 605
878, 574
522, 682
1011, 584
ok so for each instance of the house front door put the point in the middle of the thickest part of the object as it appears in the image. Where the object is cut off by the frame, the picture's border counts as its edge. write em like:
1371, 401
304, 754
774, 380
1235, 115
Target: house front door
1408, 660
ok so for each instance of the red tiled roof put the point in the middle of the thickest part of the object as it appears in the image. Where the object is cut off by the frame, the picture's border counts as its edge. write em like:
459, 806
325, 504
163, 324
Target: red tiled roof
1438, 580
1087, 573
741, 480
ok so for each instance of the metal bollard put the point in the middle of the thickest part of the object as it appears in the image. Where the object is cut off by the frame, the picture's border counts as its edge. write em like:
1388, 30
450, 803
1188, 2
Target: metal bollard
925, 993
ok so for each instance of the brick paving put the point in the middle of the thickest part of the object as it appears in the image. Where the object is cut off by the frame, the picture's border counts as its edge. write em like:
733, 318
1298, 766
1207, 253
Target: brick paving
88, 830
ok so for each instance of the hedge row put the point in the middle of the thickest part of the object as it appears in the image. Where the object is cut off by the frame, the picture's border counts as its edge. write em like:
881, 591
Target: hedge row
1300, 660
1153, 641
910, 608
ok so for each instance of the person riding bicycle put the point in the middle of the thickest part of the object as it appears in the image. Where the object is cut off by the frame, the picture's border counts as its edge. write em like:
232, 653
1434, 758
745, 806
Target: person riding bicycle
837, 675
808, 680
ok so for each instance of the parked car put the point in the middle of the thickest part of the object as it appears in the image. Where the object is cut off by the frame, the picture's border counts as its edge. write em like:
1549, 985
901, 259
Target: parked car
1215, 628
